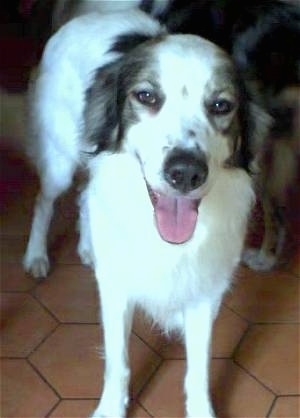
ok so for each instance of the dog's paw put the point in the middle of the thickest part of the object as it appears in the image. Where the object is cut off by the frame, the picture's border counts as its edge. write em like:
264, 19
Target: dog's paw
102, 414
110, 407
85, 257
38, 267
200, 413
258, 260
203, 409
97, 415
84, 250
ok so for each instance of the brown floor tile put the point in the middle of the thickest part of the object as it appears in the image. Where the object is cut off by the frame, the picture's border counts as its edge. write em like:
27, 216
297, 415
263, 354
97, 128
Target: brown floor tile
74, 409
286, 407
266, 297
163, 396
136, 411
228, 331
233, 391
143, 362
84, 408
236, 394
271, 353
70, 293
13, 278
23, 392
167, 347
69, 360
25, 324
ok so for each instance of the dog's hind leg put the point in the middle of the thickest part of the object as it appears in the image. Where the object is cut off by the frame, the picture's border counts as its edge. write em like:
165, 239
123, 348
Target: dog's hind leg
276, 182
266, 257
274, 234
117, 323
55, 179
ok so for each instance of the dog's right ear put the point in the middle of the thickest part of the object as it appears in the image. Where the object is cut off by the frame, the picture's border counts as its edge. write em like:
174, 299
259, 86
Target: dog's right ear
103, 98
101, 118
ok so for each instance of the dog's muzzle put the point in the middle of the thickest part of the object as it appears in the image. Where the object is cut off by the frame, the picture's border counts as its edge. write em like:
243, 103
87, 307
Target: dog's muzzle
176, 214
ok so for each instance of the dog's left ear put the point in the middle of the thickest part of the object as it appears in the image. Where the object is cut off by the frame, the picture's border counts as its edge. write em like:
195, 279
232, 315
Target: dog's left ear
101, 113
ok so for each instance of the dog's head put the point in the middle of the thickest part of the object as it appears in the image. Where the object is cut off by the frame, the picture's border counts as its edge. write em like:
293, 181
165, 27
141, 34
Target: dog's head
174, 103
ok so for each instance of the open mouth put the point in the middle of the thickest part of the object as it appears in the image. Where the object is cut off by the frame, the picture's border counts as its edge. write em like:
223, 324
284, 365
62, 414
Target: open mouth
175, 216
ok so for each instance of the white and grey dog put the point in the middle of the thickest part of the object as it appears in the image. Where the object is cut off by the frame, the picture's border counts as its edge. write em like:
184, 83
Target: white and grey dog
165, 129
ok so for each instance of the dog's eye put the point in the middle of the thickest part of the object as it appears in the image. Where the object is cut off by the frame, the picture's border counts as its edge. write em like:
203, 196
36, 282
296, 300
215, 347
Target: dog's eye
221, 107
145, 97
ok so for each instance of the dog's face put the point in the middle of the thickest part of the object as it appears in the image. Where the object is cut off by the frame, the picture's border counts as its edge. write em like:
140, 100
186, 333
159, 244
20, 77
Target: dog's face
177, 110
180, 114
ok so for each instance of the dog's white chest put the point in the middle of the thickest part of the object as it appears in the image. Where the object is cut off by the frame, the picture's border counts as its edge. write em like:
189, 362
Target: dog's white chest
130, 251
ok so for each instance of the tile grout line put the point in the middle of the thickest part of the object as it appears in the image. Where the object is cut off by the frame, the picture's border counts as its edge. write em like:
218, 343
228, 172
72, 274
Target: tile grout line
249, 322
37, 347
254, 377
41, 303
148, 345
271, 407
147, 381
44, 379
240, 342
139, 403
53, 409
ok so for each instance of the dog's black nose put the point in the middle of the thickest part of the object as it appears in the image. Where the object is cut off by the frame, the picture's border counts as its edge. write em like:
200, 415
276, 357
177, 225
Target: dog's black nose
185, 170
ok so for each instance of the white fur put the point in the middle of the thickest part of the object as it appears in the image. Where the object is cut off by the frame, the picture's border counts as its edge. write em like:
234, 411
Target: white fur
57, 98
179, 286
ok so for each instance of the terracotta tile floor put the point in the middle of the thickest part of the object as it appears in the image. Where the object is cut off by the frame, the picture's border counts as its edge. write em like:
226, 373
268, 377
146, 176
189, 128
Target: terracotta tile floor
51, 340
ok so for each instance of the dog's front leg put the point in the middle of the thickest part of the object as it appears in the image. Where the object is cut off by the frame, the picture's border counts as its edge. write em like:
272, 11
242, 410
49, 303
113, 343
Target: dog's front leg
36, 259
198, 322
117, 322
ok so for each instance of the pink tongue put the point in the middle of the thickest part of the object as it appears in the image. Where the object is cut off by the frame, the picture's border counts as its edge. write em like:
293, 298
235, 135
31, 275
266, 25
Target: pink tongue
175, 218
